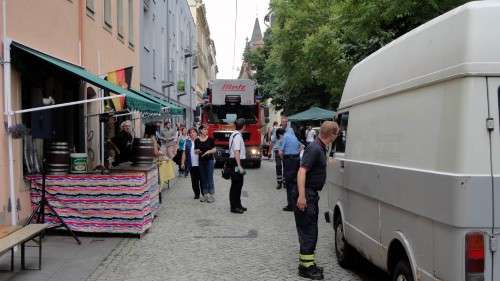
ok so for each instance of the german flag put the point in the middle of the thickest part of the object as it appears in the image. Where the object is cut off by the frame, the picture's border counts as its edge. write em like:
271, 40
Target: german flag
122, 78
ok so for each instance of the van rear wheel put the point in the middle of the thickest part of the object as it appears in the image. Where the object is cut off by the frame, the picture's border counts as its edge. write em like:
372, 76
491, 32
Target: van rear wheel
343, 251
402, 272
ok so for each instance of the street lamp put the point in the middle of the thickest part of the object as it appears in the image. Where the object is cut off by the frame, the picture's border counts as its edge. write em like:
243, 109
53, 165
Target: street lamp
188, 55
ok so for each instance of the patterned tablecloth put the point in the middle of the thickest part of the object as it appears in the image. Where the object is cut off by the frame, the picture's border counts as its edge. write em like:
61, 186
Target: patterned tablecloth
116, 203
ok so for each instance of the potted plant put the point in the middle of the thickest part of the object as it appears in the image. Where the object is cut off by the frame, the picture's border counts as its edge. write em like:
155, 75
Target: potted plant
181, 86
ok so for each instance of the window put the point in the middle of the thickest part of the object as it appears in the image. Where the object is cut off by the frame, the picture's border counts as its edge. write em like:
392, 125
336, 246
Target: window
107, 13
147, 3
221, 114
131, 23
340, 143
90, 7
119, 18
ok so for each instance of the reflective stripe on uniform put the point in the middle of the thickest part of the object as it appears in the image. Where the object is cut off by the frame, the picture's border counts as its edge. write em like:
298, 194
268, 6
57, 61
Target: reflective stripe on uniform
306, 260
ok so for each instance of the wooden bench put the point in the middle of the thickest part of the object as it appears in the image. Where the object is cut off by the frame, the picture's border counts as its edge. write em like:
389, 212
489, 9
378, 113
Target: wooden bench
20, 237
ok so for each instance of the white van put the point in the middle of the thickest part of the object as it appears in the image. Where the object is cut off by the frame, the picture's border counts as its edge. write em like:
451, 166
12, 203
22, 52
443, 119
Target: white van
415, 187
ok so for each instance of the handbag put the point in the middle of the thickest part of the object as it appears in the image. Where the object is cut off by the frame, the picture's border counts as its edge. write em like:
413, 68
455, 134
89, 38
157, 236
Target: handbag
228, 167
178, 157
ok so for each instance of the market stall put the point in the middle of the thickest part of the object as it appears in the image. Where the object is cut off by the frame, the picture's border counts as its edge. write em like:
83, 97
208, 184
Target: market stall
56, 134
114, 203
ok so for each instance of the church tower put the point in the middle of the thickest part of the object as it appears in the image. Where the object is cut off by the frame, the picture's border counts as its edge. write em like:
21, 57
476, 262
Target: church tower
256, 42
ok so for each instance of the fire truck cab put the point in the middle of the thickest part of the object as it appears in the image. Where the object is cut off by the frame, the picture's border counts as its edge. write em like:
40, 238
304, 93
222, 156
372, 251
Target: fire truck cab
229, 100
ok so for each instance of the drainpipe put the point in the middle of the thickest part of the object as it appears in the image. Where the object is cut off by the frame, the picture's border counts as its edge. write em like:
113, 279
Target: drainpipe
7, 89
81, 11
168, 48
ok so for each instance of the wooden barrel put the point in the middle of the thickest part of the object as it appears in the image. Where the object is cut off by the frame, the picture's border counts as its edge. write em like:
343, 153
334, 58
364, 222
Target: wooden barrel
57, 158
142, 151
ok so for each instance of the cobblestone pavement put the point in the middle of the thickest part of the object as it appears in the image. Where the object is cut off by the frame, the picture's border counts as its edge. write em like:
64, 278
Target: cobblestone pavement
191, 240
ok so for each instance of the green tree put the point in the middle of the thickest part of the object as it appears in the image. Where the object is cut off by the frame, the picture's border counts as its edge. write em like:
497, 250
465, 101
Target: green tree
313, 44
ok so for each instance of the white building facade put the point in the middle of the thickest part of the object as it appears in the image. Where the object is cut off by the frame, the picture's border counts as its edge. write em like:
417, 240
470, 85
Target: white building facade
168, 49
205, 54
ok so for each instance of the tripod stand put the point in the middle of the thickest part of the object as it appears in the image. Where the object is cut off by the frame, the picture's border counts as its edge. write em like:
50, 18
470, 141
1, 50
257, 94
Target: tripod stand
39, 211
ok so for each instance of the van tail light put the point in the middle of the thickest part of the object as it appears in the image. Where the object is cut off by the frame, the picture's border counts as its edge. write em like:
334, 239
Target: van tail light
474, 256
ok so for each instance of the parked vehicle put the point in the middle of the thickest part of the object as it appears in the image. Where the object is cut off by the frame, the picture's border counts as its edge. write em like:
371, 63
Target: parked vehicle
415, 185
229, 100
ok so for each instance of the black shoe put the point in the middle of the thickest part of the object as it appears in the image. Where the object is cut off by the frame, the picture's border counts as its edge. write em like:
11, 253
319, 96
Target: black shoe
288, 209
313, 272
243, 208
237, 211
278, 187
196, 197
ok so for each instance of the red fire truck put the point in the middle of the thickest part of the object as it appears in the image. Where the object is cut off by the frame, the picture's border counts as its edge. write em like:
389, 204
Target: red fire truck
229, 100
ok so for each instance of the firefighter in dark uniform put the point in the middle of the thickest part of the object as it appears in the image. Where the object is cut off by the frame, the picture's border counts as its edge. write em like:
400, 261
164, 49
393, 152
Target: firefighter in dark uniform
310, 180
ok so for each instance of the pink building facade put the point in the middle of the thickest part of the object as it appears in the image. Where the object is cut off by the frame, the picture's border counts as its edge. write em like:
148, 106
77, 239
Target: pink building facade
99, 36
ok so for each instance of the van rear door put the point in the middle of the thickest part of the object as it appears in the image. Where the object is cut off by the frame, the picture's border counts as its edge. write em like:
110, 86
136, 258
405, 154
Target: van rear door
493, 126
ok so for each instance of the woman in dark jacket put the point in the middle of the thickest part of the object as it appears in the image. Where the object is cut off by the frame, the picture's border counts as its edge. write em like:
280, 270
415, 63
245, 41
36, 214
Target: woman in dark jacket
190, 163
205, 147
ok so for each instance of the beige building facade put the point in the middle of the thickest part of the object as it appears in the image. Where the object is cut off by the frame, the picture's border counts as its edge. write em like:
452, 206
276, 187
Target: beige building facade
206, 53
99, 36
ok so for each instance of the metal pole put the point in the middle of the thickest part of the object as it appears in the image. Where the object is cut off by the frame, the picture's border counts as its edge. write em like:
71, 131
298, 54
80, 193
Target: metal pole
123, 114
8, 108
39, 108
189, 89
102, 130
168, 47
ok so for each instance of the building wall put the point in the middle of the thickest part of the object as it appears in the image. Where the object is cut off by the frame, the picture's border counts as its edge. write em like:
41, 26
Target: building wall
32, 23
66, 30
167, 34
181, 38
213, 64
104, 50
50, 26
153, 50
4, 182
205, 55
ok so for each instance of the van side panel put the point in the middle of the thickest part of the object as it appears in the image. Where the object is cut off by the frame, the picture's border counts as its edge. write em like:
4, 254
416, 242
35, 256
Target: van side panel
428, 128
363, 212
418, 162
416, 229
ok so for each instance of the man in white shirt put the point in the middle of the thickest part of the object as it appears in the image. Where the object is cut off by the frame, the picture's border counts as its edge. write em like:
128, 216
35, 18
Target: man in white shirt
237, 153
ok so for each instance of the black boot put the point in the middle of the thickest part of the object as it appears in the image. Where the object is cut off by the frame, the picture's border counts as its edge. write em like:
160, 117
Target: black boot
312, 272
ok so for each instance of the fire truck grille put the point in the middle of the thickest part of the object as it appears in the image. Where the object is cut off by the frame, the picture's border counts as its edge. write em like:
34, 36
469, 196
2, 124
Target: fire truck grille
224, 136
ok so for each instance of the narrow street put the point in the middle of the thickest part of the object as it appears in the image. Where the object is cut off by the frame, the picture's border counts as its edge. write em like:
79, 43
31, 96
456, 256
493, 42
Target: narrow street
199, 241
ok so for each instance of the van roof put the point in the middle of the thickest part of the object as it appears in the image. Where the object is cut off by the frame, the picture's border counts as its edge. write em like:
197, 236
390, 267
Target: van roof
463, 42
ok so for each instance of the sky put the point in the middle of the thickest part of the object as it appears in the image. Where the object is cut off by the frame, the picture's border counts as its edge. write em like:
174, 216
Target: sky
221, 16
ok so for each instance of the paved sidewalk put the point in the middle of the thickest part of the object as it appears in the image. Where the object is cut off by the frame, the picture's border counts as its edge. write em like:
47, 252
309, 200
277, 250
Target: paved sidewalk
191, 240
63, 259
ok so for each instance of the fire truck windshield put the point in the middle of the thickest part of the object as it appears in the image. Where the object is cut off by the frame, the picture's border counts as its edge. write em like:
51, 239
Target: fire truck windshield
223, 114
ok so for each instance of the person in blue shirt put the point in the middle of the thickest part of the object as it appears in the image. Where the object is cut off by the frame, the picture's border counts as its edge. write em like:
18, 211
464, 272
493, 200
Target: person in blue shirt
276, 144
290, 152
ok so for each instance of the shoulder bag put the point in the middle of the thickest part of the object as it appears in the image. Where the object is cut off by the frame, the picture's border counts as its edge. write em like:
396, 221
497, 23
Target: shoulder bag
228, 168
